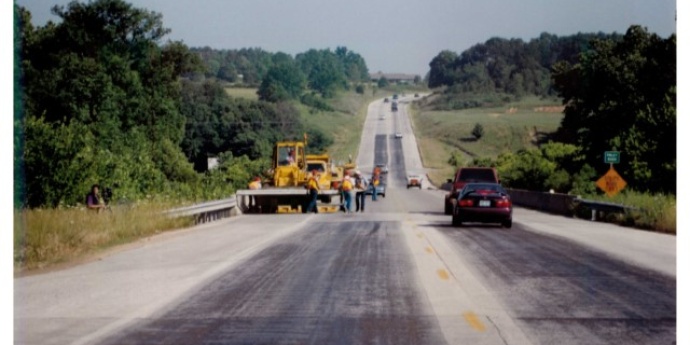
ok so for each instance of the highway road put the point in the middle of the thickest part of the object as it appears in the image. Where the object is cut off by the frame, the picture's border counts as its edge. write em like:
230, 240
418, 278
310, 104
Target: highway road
396, 274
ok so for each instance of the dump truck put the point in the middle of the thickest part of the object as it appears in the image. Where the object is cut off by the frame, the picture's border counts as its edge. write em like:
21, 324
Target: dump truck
284, 191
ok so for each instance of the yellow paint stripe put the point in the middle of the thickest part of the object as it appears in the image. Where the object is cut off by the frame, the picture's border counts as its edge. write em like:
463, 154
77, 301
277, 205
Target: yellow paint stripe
443, 274
429, 250
420, 235
474, 322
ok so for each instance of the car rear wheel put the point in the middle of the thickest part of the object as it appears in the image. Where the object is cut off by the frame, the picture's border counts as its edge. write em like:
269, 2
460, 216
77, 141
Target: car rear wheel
508, 223
456, 221
448, 208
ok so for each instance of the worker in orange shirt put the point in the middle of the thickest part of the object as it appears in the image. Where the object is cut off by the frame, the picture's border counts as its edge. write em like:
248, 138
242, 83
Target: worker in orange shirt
313, 187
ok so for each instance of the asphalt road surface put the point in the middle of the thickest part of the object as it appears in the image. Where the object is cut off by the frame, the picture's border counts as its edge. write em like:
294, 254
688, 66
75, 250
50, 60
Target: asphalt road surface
396, 274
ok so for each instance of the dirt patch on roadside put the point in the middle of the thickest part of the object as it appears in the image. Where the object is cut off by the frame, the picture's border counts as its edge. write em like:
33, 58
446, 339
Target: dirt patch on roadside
554, 109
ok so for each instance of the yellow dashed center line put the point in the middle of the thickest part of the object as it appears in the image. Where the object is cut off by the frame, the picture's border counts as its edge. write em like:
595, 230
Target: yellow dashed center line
420, 235
474, 322
443, 274
429, 250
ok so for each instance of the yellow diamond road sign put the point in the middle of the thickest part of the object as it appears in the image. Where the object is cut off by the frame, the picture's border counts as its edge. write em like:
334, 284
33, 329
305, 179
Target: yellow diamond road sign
611, 183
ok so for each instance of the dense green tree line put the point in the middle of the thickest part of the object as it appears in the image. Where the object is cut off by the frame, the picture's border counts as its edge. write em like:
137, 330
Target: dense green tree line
279, 76
247, 65
621, 95
100, 98
508, 66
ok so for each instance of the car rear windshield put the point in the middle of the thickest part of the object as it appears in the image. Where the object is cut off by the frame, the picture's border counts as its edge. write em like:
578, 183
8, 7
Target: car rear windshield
477, 175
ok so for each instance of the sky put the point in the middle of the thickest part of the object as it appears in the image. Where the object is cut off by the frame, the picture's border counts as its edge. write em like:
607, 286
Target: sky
393, 36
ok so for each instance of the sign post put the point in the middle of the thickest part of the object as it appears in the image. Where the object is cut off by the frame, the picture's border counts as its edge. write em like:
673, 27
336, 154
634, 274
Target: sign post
611, 183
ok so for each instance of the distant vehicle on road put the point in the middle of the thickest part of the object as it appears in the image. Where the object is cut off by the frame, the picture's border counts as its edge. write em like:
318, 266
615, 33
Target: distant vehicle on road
485, 203
394, 106
464, 176
395, 96
383, 168
385, 100
398, 135
416, 95
414, 181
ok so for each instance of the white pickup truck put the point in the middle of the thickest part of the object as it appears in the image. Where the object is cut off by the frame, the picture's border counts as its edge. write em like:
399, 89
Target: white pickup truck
414, 181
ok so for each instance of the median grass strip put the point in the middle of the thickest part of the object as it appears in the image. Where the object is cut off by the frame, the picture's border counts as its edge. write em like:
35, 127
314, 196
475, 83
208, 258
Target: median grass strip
45, 237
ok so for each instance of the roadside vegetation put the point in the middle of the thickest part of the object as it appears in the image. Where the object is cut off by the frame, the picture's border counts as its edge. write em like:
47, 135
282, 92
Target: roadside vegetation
46, 237
617, 93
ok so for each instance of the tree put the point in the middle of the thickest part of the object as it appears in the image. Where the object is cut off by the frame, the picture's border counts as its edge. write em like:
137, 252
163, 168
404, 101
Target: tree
383, 82
621, 96
442, 69
324, 71
283, 81
101, 102
478, 131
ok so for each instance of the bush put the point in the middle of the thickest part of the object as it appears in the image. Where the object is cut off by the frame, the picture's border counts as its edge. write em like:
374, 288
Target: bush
478, 131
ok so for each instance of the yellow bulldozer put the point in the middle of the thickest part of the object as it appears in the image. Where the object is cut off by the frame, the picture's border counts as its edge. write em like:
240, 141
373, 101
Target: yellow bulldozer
285, 191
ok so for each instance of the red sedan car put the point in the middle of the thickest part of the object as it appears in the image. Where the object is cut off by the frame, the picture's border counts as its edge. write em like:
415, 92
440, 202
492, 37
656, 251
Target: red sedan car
484, 203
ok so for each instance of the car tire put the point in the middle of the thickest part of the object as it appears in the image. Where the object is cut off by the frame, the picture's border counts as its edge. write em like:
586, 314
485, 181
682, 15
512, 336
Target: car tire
508, 223
448, 208
456, 222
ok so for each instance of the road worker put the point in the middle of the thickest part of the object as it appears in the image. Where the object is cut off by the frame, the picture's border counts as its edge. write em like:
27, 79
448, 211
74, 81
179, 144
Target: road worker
361, 185
346, 188
313, 187
255, 183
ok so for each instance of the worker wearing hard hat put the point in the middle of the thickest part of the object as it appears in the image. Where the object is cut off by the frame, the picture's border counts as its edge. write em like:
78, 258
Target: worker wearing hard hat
313, 187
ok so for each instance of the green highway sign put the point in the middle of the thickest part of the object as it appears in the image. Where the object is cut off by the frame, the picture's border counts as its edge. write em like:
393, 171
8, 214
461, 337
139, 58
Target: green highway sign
612, 157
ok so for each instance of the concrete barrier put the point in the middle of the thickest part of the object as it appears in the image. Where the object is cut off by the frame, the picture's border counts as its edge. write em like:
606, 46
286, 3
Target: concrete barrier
555, 203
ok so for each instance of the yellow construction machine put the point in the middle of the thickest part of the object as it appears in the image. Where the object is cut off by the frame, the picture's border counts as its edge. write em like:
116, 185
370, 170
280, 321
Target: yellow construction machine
285, 191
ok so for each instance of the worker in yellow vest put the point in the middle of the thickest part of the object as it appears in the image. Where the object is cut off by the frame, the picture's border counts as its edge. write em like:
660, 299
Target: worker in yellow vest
347, 189
313, 187
255, 183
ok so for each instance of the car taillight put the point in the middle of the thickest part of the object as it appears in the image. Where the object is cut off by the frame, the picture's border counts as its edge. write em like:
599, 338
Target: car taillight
503, 203
466, 203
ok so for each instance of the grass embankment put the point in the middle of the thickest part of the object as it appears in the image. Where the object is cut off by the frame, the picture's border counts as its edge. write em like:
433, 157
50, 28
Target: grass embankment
508, 128
46, 237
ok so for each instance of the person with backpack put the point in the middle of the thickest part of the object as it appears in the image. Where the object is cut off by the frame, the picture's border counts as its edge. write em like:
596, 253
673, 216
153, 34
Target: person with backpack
361, 184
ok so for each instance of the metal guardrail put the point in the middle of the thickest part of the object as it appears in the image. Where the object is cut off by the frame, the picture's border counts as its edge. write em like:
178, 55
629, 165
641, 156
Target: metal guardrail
602, 206
207, 211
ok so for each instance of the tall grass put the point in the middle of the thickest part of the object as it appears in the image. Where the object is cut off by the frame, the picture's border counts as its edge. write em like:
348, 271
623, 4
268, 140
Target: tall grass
650, 211
44, 237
